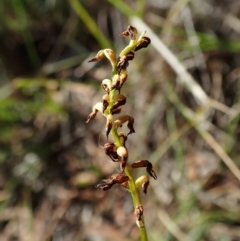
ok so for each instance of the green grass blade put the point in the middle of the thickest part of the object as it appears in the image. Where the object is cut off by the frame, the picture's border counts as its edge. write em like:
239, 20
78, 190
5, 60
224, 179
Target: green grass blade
123, 7
26, 33
90, 24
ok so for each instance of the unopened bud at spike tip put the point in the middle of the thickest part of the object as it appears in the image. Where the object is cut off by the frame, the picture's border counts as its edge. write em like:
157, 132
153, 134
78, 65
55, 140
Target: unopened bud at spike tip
142, 43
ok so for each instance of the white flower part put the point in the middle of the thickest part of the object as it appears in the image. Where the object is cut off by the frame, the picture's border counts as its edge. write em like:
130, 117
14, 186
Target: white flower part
142, 34
106, 85
122, 151
140, 223
99, 107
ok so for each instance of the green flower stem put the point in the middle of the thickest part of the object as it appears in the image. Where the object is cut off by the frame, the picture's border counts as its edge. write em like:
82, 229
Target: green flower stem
110, 105
129, 48
136, 200
116, 137
132, 187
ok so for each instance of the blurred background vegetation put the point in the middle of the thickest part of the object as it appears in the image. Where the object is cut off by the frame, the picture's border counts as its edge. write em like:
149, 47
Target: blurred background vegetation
51, 160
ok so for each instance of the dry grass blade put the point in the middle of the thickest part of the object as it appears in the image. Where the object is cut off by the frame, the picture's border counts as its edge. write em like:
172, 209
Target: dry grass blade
233, 22
200, 125
194, 88
57, 215
171, 226
173, 137
175, 64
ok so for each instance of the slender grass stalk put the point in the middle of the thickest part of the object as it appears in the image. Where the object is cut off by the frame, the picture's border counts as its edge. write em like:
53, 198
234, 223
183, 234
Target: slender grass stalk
123, 7
26, 33
89, 22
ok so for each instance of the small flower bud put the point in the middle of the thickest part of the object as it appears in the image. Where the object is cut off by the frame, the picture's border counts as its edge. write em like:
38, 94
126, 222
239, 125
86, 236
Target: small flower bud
139, 213
122, 151
119, 100
139, 223
123, 154
123, 77
97, 107
106, 85
119, 79
123, 61
105, 99
116, 81
130, 55
142, 43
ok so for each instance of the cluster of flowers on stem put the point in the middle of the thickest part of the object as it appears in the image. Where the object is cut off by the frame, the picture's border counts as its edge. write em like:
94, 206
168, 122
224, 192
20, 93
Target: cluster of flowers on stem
111, 104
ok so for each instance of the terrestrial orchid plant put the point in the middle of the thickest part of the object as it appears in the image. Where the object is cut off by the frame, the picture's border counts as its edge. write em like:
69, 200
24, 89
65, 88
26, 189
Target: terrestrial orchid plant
111, 104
